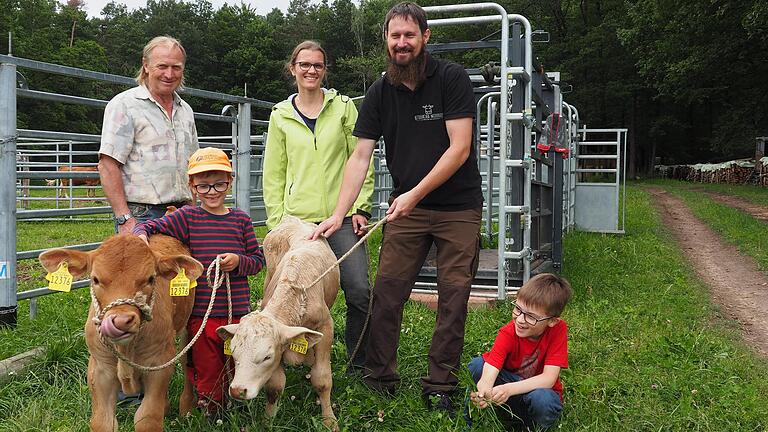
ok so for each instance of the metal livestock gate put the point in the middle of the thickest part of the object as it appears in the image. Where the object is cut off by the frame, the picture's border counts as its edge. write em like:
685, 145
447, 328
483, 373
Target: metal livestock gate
533, 193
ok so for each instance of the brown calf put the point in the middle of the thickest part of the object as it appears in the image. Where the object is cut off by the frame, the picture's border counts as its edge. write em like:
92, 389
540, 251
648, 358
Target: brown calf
63, 184
126, 273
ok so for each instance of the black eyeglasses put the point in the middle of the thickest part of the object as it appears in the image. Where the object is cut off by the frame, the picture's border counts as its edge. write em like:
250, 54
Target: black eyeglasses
306, 65
529, 318
204, 188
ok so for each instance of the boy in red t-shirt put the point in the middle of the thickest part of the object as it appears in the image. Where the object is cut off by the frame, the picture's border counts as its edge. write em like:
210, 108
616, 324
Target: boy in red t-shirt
522, 369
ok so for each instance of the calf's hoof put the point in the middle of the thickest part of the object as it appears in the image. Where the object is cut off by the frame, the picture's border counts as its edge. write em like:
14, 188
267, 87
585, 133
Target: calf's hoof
331, 423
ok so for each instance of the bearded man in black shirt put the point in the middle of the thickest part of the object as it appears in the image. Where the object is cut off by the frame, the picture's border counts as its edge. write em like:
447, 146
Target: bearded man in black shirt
423, 107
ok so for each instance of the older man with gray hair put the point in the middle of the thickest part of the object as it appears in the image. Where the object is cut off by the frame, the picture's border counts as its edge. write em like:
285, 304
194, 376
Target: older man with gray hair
147, 138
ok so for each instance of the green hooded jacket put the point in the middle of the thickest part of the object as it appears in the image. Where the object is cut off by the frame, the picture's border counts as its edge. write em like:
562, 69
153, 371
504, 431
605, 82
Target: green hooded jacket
303, 171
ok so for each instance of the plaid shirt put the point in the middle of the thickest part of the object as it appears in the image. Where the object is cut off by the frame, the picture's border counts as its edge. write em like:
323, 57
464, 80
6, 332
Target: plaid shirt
153, 149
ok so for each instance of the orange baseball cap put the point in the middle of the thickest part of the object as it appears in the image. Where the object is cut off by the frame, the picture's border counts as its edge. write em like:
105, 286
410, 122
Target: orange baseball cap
208, 159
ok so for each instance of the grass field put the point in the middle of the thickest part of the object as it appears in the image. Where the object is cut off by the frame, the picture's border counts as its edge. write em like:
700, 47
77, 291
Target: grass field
648, 351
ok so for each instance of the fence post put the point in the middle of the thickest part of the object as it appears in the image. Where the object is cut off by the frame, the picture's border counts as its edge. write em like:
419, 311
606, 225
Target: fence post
8, 305
243, 155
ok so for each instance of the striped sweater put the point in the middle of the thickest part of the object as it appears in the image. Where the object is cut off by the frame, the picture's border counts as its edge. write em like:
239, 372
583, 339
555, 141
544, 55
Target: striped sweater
208, 235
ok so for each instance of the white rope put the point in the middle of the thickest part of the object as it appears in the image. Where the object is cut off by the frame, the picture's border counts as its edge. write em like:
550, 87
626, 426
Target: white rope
217, 280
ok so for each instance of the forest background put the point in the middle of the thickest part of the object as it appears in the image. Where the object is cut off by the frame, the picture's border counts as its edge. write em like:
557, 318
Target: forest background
686, 77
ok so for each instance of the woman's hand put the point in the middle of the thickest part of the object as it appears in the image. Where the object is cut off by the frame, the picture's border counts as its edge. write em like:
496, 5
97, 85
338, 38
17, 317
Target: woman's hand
358, 224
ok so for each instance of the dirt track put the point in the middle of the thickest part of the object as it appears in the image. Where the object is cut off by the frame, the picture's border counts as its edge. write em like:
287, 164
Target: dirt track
757, 211
734, 280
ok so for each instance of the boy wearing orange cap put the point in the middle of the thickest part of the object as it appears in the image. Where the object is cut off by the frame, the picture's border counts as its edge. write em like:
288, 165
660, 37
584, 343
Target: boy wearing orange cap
212, 230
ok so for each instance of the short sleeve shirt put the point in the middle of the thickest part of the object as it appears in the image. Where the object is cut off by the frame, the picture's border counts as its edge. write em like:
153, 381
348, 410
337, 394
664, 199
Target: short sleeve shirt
527, 357
153, 149
415, 137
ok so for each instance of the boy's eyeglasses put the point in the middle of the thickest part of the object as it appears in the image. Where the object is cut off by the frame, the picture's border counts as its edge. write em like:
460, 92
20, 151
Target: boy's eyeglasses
304, 66
529, 318
204, 188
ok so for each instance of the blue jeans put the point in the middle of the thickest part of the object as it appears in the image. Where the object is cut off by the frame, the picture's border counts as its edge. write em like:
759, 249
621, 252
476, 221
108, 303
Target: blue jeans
539, 409
355, 284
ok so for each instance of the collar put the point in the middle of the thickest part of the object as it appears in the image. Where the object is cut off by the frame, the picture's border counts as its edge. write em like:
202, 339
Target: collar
142, 92
431, 64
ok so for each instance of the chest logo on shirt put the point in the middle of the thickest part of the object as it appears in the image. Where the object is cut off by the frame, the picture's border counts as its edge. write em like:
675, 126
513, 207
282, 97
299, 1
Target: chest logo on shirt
428, 114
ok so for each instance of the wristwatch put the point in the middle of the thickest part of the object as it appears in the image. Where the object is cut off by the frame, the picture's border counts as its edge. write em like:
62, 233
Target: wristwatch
123, 218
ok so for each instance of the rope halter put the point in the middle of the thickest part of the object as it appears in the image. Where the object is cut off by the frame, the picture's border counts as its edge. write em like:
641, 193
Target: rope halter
139, 301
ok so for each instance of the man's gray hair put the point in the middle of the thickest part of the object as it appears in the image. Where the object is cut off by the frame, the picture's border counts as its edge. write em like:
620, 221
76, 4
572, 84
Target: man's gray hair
141, 76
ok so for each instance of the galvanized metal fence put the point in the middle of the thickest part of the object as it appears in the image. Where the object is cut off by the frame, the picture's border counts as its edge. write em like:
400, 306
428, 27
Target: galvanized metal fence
530, 196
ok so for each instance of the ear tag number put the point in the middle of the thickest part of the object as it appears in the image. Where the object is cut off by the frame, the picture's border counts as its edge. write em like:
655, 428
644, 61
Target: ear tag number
60, 280
227, 347
299, 344
180, 285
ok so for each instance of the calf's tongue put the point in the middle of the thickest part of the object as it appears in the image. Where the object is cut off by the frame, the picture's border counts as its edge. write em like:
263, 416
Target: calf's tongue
108, 329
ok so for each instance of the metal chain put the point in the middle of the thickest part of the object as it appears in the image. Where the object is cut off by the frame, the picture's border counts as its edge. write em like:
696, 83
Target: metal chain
9, 139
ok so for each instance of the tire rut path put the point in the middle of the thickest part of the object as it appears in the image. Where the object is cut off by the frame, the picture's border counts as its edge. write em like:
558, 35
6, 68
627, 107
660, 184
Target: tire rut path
735, 283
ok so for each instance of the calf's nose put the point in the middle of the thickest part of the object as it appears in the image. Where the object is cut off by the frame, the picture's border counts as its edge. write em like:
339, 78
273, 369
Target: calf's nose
237, 392
124, 321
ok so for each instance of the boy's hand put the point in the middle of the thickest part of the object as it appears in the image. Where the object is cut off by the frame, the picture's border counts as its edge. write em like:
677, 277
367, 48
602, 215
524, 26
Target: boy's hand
478, 399
501, 393
229, 261
144, 238
483, 394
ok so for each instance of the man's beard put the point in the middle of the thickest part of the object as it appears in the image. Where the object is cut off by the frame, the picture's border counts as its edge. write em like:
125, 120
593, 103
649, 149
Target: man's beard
414, 72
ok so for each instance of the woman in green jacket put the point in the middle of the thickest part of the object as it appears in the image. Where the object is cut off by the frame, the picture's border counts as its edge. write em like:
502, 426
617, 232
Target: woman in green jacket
308, 143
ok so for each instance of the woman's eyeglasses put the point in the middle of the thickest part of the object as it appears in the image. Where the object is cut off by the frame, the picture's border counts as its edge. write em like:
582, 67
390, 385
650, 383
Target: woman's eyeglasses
204, 188
304, 66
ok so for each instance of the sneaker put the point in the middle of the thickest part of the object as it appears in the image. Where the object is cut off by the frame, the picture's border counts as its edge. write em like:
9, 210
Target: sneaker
129, 400
440, 401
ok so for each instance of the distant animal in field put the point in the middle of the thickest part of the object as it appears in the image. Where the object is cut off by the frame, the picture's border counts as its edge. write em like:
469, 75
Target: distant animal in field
62, 185
294, 326
132, 308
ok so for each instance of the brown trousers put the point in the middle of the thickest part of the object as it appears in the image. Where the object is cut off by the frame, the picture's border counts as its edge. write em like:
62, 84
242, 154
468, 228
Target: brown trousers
406, 242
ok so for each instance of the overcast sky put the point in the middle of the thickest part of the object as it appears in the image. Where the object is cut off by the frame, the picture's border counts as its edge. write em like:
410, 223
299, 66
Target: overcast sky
94, 7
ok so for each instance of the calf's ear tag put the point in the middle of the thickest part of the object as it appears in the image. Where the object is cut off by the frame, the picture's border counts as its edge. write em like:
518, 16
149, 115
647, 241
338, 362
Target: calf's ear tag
60, 280
180, 285
299, 344
227, 347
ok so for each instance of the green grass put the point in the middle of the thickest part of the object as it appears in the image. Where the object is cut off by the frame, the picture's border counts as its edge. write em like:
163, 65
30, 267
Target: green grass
648, 351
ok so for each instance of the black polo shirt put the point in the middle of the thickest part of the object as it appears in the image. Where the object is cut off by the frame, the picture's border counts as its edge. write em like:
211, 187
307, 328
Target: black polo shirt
413, 126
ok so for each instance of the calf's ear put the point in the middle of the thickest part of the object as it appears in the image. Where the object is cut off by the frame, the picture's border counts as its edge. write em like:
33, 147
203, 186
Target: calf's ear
311, 336
169, 266
78, 262
227, 331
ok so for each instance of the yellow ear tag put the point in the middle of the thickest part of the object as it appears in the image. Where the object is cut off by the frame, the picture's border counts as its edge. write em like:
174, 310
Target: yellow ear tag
299, 344
227, 347
180, 285
60, 280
